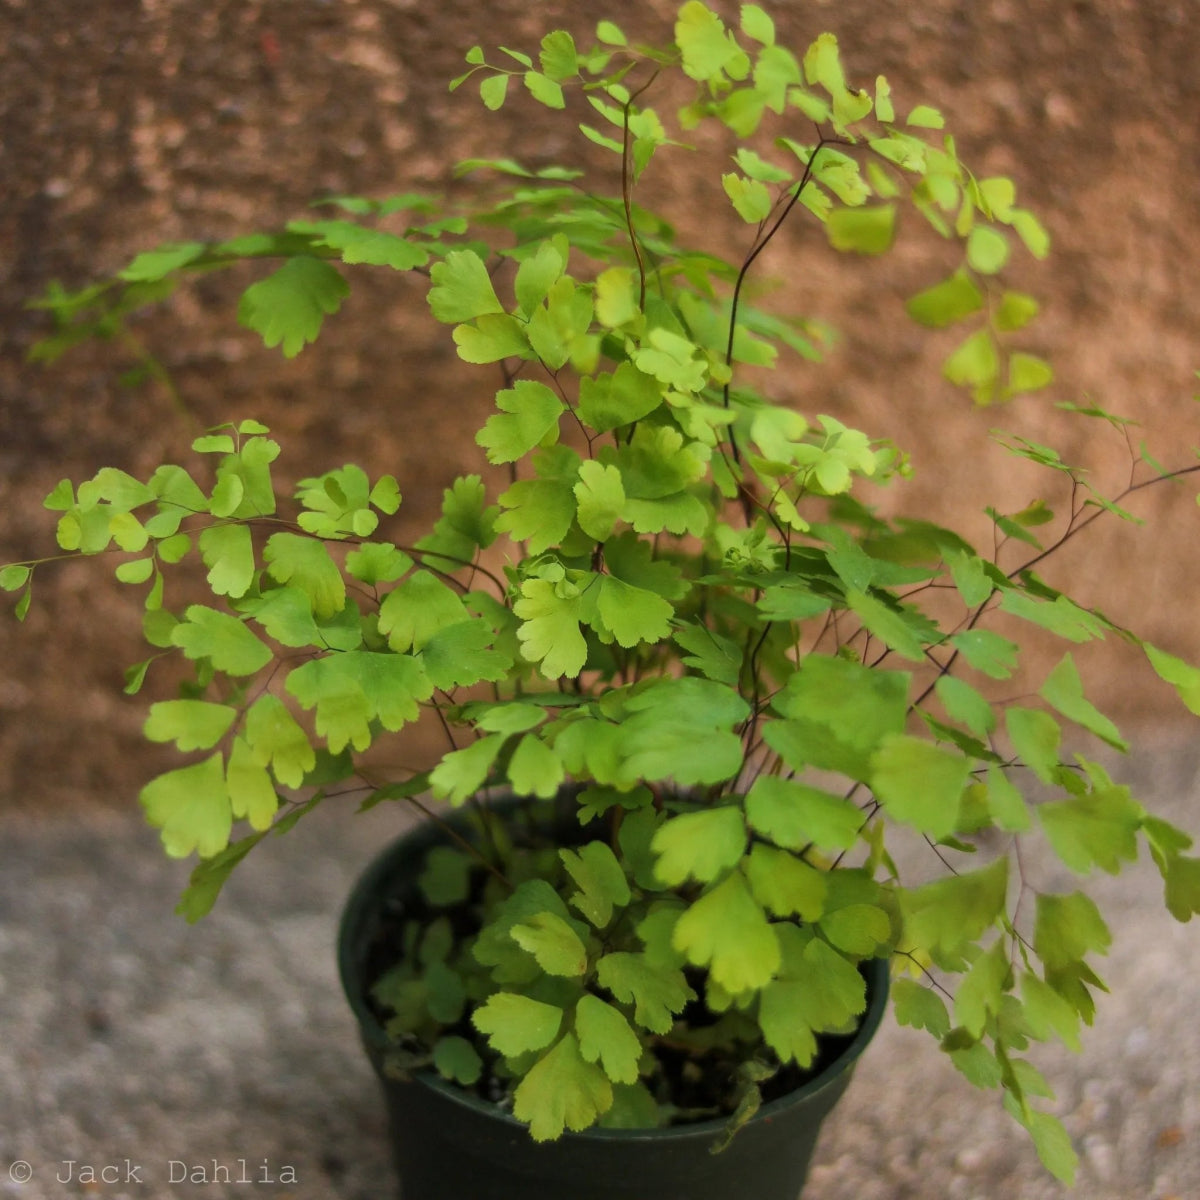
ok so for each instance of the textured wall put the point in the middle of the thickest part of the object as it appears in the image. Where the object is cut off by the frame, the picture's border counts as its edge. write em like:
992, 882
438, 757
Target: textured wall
125, 123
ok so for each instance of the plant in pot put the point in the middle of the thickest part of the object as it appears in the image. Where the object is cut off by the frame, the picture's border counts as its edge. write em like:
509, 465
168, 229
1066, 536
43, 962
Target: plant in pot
700, 700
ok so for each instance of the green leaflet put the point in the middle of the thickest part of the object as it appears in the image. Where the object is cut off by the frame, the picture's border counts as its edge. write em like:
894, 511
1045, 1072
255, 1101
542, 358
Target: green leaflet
840, 713
632, 614
190, 724
600, 497
190, 805
606, 1037
699, 845
1096, 829
657, 990
611, 401
549, 632
456, 1059
278, 741
251, 793
462, 654
462, 288
227, 642
920, 783
1067, 929
358, 244
920, 1007
818, 991
350, 690
562, 1090
553, 943
600, 881
305, 563
514, 1023
535, 769
727, 931
529, 413
944, 917
786, 885
417, 609
289, 307
228, 552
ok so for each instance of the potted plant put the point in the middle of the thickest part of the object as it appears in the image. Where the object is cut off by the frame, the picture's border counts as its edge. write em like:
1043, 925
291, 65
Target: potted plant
695, 690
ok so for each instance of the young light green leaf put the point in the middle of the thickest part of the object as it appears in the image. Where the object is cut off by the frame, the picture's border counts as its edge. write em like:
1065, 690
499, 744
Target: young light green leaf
1067, 929
609, 402
493, 89
795, 815
529, 413
988, 652
534, 769
252, 795
515, 1024
784, 884
1028, 373
1035, 737
463, 654
708, 49
152, 265
820, 991
461, 773
420, 607
605, 1036
944, 917
462, 288
377, 562
190, 805
289, 306
278, 740
190, 724
987, 249
657, 990
305, 563
601, 881
867, 230
750, 197
964, 704
228, 552
1064, 690
699, 845
920, 783
727, 931
549, 632
633, 614
601, 499
553, 943
946, 302
861, 930
919, 1007
561, 1090
228, 642
360, 244
1096, 829
1181, 675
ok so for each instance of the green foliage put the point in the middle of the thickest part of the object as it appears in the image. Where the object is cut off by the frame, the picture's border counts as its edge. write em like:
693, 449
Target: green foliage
664, 586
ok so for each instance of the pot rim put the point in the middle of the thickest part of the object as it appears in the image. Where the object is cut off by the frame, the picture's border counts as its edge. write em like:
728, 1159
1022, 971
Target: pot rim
358, 911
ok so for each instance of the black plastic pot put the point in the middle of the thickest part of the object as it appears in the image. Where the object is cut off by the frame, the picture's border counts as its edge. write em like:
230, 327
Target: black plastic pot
451, 1145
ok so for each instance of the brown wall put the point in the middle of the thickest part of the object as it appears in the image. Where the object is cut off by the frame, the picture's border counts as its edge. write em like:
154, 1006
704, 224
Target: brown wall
124, 123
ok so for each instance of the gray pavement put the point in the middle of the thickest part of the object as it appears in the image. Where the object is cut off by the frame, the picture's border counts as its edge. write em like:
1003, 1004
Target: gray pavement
224, 1054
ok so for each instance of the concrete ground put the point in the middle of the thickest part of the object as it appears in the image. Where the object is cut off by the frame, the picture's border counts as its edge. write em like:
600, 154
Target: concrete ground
137, 1051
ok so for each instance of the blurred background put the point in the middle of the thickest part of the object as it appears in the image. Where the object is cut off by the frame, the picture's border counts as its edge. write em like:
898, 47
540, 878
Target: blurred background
125, 124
